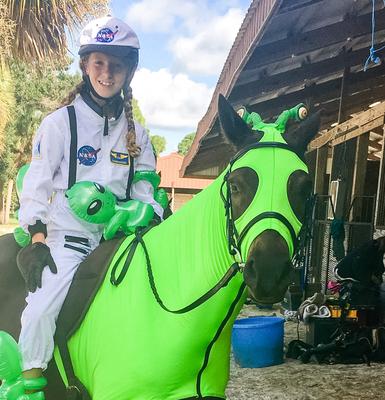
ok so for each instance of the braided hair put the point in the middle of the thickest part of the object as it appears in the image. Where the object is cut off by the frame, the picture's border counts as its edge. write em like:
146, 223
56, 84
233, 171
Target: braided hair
132, 148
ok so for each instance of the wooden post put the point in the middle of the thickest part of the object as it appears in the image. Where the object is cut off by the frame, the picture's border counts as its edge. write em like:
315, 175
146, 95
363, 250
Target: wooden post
359, 174
172, 197
380, 198
320, 169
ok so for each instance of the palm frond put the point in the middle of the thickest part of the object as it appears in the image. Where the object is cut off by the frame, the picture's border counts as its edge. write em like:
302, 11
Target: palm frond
41, 26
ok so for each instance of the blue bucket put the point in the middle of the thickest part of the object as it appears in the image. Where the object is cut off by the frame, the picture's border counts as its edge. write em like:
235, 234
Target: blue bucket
258, 341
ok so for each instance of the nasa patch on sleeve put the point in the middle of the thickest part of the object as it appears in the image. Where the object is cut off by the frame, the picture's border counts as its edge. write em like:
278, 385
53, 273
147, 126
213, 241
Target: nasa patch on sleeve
36, 151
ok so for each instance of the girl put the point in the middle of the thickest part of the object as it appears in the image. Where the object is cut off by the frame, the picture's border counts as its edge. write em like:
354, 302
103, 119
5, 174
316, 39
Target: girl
94, 139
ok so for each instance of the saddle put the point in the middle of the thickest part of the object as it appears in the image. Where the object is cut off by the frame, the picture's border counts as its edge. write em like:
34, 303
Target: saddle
85, 284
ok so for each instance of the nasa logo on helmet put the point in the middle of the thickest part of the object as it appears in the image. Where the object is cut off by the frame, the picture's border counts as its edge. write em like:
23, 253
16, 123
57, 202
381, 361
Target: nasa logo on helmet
109, 35
106, 35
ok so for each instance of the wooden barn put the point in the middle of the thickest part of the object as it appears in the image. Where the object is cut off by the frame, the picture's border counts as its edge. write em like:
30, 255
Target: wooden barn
313, 51
179, 189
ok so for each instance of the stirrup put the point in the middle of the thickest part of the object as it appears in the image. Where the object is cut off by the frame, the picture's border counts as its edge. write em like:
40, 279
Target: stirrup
13, 385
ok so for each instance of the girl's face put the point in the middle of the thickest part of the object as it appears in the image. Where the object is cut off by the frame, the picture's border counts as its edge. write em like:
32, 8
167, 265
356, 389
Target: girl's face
107, 73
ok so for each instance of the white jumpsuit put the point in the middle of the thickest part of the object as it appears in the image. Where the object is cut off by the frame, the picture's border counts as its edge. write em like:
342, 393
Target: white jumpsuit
100, 158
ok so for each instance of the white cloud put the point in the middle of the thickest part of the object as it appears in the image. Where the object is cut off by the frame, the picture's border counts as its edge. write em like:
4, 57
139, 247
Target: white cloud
200, 31
170, 102
205, 52
160, 16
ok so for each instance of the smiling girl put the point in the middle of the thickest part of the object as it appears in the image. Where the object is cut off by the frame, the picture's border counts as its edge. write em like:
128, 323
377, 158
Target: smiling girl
92, 137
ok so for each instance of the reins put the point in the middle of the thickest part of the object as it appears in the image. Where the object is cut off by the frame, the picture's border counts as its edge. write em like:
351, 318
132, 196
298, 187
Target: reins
234, 240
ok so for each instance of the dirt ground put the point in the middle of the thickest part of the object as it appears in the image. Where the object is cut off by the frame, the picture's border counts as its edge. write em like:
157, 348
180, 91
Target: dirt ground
293, 380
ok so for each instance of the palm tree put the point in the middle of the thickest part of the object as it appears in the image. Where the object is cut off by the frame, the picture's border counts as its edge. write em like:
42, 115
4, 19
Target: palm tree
34, 32
40, 26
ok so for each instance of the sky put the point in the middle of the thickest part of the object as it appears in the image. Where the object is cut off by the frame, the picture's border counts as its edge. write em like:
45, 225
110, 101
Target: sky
184, 45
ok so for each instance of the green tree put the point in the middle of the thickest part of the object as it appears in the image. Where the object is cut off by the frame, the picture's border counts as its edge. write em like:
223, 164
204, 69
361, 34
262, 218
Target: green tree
36, 94
158, 143
137, 113
185, 144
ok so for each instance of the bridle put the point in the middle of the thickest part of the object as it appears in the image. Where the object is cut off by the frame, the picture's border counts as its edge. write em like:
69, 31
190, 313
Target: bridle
234, 238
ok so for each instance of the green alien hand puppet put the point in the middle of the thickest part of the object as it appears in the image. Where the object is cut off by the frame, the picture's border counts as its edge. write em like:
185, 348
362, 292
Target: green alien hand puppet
94, 203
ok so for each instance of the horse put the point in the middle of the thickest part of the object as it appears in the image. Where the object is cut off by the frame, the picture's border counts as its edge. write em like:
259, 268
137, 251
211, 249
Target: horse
159, 326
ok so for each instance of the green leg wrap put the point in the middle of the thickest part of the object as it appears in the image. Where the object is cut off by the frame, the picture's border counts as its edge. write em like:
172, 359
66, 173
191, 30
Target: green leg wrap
13, 385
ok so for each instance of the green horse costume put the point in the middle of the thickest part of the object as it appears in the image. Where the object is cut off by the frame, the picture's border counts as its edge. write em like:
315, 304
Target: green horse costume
158, 332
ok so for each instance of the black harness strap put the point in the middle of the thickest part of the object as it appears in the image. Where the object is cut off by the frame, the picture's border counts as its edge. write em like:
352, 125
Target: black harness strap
268, 214
73, 146
231, 272
74, 155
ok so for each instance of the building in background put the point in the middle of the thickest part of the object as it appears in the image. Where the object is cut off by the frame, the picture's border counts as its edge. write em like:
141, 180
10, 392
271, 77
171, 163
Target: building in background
180, 190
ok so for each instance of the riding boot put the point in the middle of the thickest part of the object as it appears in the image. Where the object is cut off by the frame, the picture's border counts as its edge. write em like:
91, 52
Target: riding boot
13, 385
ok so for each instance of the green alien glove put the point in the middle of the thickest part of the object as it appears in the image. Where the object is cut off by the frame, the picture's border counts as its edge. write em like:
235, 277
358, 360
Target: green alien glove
13, 385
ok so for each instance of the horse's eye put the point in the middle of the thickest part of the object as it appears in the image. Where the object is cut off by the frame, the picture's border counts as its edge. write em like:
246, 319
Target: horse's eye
233, 188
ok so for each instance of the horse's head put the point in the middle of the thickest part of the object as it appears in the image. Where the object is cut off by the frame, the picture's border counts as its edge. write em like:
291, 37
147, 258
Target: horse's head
265, 190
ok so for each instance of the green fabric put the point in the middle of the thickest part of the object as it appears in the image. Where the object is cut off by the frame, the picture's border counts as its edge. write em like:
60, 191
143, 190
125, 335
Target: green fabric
128, 347
22, 237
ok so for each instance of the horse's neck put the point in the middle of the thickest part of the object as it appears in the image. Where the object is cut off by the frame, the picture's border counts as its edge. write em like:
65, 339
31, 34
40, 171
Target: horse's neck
195, 235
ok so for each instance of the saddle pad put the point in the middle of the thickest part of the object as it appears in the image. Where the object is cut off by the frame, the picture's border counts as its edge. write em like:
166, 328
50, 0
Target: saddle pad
84, 286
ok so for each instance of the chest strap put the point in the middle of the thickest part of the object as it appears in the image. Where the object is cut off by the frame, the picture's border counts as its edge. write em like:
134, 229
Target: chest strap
73, 146
74, 155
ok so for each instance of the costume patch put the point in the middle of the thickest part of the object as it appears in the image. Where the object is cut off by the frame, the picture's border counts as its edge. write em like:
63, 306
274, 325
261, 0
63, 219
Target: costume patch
87, 155
119, 158
36, 154
106, 35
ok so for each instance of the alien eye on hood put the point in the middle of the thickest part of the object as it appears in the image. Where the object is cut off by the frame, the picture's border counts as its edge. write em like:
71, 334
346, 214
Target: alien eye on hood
94, 207
100, 188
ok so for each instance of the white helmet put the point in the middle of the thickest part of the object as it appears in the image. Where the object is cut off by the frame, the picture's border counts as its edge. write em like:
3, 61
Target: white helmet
109, 35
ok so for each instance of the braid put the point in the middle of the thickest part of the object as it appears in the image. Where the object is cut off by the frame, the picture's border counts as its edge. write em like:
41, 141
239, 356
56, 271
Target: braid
71, 95
79, 87
132, 147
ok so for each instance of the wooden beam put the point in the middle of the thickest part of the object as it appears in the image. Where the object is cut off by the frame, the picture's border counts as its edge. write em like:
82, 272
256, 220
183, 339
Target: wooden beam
363, 123
365, 127
306, 42
255, 84
359, 174
380, 198
370, 83
373, 157
375, 145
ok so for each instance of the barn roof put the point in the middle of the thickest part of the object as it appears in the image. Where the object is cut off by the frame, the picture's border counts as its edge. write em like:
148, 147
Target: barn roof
169, 167
291, 51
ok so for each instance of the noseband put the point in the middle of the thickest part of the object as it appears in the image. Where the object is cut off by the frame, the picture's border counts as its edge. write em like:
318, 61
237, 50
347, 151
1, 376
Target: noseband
234, 239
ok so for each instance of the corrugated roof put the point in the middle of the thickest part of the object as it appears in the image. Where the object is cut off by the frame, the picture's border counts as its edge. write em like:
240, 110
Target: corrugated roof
169, 167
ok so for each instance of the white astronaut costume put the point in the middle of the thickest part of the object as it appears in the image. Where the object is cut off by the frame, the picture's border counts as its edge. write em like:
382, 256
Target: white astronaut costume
101, 157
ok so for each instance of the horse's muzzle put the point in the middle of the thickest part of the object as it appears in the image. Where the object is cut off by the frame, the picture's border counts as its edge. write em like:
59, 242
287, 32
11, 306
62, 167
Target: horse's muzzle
268, 270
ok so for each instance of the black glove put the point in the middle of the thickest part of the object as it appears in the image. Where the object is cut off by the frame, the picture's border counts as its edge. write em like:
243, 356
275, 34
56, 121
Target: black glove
31, 261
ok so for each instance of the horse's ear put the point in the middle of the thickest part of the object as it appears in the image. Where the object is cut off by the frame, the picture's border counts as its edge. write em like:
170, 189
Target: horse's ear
299, 138
235, 129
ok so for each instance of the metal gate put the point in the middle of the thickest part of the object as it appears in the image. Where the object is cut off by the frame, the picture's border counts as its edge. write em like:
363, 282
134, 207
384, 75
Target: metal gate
358, 227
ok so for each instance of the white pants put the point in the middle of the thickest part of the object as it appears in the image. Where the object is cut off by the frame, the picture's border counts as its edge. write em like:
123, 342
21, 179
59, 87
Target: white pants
38, 321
